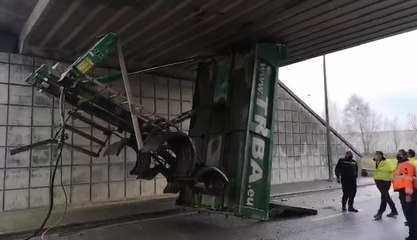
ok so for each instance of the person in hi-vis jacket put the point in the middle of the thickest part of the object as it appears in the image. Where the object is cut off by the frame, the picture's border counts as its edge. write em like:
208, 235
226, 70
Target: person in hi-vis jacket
382, 173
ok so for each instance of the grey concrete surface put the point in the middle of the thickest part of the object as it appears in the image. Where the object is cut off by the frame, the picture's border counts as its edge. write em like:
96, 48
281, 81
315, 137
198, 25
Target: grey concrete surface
82, 215
22, 221
329, 224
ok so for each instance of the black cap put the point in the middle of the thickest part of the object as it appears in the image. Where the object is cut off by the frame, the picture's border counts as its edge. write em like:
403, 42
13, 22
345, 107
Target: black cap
402, 151
380, 153
411, 153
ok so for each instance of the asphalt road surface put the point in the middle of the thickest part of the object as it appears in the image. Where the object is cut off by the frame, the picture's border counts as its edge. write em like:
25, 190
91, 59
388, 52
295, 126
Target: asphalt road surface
330, 223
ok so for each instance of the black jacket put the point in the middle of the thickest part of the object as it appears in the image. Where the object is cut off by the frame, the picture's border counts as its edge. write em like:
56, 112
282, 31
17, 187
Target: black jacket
347, 169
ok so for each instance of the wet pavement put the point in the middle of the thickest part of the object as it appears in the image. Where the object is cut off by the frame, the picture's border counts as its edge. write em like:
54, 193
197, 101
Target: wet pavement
330, 223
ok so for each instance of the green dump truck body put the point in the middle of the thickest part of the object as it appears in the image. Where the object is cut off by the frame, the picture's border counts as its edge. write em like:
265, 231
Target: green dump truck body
235, 134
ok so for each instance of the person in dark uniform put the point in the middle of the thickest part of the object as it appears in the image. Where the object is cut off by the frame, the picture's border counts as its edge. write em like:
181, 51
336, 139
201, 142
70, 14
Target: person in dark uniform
347, 174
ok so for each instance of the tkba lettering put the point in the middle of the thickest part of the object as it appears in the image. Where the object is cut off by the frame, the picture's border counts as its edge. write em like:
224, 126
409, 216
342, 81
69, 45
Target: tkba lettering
258, 143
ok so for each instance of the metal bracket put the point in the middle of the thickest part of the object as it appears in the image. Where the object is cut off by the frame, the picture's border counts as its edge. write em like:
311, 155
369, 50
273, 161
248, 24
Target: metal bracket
126, 83
54, 141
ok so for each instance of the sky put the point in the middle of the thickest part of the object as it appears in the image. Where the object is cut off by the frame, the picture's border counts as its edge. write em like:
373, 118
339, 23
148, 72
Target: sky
383, 73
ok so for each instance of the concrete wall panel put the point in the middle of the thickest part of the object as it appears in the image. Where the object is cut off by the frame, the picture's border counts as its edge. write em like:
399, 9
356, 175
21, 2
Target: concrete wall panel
39, 177
3, 136
117, 190
99, 192
19, 115
80, 193
20, 95
80, 174
21, 59
300, 153
161, 106
132, 189
39, 197
147, 187
161, 87
59, 196
18, 73
16, 199
174, 89
19, 160
41, 100
2, 158
100, 173
42, 116
4, 73
41, 133
17, 178
4, 94
117, 172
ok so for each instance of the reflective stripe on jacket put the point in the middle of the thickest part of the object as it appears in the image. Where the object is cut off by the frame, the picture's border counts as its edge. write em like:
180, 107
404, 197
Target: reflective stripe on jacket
404, 177
384, 170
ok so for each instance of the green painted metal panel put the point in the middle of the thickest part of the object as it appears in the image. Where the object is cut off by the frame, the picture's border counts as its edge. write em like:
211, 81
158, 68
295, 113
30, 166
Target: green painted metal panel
97, 54
256, 177
235, 134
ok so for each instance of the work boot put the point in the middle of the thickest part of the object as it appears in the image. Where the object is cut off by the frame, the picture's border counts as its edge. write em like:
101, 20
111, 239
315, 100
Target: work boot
343, 208
392, 215
351, 209
378, 216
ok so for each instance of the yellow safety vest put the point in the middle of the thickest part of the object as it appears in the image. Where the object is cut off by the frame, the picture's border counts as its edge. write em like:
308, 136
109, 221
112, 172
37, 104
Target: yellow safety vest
385, 170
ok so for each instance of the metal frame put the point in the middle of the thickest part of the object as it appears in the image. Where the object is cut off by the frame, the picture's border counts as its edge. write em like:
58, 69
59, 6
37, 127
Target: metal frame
126, 83
72, 146
326, 104
245, 164
7, 134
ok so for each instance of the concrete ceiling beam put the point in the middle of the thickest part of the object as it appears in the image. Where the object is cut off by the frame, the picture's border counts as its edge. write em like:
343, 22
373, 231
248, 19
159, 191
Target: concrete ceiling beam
34, 17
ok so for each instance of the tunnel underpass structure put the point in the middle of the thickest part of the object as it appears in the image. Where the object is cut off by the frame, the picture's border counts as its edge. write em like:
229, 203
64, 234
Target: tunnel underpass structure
154, 33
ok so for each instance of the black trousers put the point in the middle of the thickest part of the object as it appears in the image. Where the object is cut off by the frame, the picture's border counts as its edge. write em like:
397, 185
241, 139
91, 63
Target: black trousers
410, 213
383, 187
349, 192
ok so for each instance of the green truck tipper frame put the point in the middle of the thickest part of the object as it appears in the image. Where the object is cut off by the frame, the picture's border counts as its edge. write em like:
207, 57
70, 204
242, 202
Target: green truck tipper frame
224, 164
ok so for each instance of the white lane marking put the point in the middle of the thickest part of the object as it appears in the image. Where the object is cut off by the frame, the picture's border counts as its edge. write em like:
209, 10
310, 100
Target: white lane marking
164, 217
151, 219
111, 225
327, 217
331, 216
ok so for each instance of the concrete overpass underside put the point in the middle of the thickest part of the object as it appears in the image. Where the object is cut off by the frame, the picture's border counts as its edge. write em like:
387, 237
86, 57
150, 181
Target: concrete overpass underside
159, 31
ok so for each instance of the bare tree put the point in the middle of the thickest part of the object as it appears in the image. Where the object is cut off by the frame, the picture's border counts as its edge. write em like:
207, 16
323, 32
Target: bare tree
394, 130
412, 121
334, 115
358, 116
